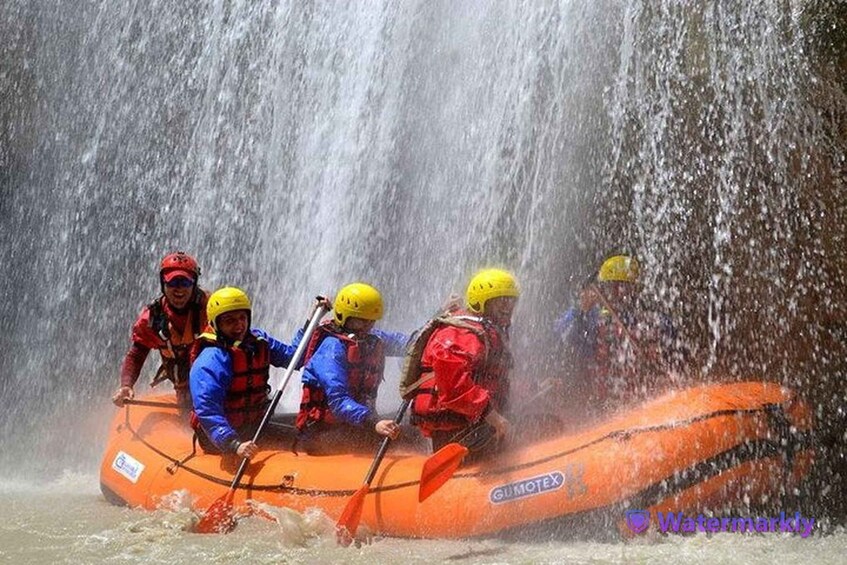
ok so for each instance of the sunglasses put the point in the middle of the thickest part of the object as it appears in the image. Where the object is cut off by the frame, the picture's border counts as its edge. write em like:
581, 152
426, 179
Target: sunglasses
180, 282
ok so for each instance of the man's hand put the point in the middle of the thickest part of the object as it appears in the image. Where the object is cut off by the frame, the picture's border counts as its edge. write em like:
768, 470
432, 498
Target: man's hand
320, 302
589, 298
452, 304
387, 428
550, 385
499, 423
247, 449
124, 393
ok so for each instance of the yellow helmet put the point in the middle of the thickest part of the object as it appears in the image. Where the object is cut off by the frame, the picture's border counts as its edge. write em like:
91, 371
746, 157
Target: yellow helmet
621, 268
357, 300
488, 284
227, 299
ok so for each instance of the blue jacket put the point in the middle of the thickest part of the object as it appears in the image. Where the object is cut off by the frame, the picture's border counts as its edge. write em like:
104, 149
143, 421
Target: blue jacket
328, 369
210, 378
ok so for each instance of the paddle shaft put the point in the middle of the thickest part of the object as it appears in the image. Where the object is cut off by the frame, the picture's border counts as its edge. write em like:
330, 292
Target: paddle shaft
151, 403
605, 302
292, 366
383, 447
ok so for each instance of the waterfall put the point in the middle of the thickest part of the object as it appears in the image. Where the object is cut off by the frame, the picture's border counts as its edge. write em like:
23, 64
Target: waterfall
297, 146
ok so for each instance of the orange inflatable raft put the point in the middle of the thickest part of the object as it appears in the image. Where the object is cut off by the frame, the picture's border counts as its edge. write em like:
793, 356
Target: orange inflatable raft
704, 447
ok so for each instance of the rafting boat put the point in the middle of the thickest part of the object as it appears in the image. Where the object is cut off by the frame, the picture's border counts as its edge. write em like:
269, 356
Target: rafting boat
704, 447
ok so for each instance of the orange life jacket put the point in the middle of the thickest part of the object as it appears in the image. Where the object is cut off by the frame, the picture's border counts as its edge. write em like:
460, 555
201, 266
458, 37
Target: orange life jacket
175, 346
365, 368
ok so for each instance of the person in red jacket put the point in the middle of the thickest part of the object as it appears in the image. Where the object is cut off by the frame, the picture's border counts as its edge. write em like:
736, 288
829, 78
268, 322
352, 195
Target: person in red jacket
169, 324
464, 385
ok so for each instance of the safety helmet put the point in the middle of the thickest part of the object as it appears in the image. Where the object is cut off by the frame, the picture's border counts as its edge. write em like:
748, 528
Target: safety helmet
621, 268
227, 299
179, 264
488, 284
357, 300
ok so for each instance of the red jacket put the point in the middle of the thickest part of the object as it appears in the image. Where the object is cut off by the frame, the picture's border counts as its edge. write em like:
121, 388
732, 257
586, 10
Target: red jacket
182, 327
470, 376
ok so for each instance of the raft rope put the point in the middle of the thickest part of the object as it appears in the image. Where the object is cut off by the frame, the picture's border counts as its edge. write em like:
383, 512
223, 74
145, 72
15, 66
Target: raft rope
701, 471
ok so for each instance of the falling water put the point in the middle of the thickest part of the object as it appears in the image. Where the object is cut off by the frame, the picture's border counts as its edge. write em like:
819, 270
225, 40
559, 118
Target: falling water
296, 146
292, 148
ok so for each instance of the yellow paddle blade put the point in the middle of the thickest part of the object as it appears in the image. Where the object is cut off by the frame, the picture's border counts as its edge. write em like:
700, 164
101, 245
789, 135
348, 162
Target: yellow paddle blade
348, 523
219, 518
438, 469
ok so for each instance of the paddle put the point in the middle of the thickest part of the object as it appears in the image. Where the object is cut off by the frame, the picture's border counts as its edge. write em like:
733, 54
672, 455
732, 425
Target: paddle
219, 517
651, 355
605, 303
439, 467
348, 523
151, 403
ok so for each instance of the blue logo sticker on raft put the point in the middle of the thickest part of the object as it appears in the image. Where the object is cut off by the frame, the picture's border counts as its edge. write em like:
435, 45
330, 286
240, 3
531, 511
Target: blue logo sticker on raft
527, 487
128, 466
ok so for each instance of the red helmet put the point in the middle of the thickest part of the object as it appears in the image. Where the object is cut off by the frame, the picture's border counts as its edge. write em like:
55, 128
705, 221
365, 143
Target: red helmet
179, 264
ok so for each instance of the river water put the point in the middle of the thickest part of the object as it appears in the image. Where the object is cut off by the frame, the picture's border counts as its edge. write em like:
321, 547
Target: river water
294, 147
67, 521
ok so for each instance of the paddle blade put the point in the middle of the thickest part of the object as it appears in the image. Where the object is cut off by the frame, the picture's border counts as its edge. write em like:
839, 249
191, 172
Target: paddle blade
219, 518
345, 529
438, 469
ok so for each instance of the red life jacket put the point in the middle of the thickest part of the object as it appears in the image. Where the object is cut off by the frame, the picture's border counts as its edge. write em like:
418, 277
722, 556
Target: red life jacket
492, 374
613, 370
365, 368
247, 396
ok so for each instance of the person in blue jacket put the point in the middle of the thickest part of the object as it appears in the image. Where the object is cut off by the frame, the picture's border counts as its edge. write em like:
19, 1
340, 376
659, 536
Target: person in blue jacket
229, 375
344, 366
617, 349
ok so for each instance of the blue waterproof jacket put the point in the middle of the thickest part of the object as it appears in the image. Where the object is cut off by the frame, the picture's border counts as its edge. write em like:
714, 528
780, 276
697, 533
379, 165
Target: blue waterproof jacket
327, 369
210, 378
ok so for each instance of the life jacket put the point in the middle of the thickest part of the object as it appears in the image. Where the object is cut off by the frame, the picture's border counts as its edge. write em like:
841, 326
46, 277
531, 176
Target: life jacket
365, 367
246, 398
176, 346
491, 373
614, 370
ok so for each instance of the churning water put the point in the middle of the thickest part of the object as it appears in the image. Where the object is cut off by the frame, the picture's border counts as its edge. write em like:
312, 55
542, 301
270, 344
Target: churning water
296, 146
